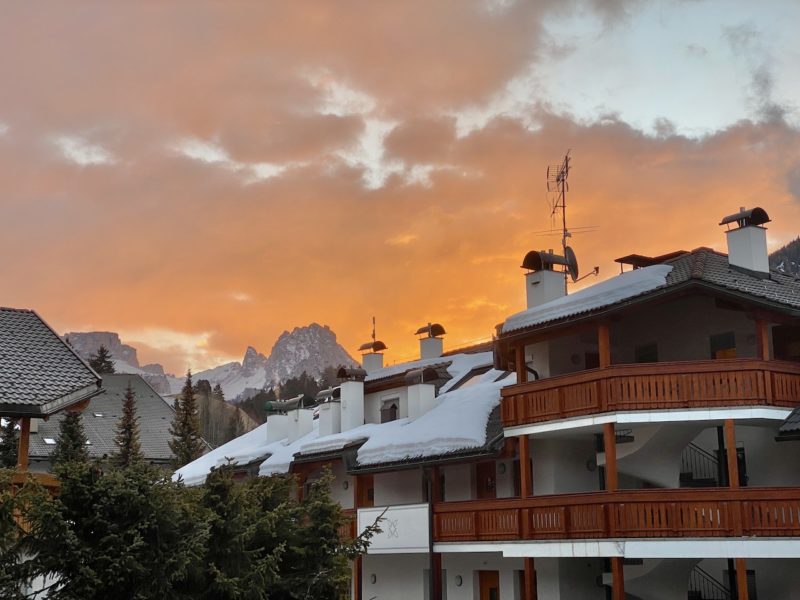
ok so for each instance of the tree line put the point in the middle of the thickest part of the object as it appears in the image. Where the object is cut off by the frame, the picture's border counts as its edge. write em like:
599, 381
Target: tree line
121, 528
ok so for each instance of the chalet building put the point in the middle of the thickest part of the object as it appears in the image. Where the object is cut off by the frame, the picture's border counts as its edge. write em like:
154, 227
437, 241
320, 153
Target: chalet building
100, 418
40, 375
634, 439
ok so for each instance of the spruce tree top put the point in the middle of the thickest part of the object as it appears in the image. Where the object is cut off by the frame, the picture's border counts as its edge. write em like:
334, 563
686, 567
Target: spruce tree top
102, 362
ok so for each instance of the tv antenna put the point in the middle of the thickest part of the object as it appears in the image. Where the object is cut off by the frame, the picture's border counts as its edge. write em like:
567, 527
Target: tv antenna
558, 186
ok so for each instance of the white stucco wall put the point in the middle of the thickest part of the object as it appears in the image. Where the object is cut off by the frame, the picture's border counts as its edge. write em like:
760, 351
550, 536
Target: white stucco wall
374, 402
682, 329
458, 483
398, 487
467, 566
397, 576
559, 465
769, 463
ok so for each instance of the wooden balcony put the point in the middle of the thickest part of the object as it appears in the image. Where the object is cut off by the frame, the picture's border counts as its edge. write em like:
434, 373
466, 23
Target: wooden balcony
653, 386
347, 531
673, 513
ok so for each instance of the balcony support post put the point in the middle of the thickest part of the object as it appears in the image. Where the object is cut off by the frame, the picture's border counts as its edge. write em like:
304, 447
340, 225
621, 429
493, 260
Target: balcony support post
730, 451
358, 568
23, 444
604, 344
617, 579
741, 580
762, 338
436, 576
519, 363
525, 475
529, 591
610, 449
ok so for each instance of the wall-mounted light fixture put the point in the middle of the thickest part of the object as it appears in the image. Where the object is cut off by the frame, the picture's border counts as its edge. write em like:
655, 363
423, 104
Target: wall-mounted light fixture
373, 579
501, 468
459, 580
345, 484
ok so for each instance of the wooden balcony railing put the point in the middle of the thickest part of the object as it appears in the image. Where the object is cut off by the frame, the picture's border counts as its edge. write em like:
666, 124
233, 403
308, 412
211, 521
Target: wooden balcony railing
348, 530
653, 386
670, 513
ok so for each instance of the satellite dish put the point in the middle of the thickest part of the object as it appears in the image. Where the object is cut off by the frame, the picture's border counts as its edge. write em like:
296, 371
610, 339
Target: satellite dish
572, 263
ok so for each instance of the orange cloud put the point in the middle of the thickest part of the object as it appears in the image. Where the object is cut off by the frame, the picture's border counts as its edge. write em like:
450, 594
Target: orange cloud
158, 241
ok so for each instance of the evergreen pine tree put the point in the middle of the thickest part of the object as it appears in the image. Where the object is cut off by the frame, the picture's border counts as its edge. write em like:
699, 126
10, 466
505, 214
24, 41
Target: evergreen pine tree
186, 444
130, 449
8, 444
71, 442
102, 362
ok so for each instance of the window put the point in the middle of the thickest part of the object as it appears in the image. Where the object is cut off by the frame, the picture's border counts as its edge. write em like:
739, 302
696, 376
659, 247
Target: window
389, 411
646, 353
50, 441
723, 345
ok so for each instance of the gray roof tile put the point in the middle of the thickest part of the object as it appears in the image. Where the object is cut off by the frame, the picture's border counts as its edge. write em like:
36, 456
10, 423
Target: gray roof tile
39, 373
154, 414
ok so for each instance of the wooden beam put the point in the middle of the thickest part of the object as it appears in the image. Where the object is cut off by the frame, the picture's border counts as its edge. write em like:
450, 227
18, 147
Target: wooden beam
730, 451
762, 338
610, 449
529, 591
617, 579
436, 485
24, 443
741, 579
436, 575
519, 363
358, 568
604, 344
525, 475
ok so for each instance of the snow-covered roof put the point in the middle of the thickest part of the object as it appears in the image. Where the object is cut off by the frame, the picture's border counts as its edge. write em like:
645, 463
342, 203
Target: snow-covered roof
245, 449
458, 365
622, 287
457, 422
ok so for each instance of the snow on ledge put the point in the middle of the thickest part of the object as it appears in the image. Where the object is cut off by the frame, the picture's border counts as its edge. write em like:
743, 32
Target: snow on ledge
619, 288
245, 449
457, 422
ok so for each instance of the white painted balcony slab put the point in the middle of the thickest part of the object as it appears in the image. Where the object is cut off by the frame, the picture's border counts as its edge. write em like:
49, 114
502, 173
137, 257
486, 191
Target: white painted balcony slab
405, 528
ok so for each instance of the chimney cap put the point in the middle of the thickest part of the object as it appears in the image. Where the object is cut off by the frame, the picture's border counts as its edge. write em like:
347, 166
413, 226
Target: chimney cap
744, 218
329, 395
539, 260
351, 373
431, 330
375, 346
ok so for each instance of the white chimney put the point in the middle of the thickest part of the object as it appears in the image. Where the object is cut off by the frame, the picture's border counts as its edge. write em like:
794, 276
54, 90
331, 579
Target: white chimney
421, 398
35, 425
431, 344
277, 427
372, 361
747, 243
301, 421
542, 283
352, 404
330, 418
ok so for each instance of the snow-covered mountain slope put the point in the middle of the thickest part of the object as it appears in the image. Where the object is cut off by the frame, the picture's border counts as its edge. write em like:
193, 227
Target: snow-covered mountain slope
310, 349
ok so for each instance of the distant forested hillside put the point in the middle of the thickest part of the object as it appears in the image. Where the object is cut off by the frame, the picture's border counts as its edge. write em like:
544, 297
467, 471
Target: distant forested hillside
787, 258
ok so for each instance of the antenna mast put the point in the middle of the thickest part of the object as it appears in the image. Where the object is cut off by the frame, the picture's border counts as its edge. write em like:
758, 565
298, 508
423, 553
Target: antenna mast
557, 185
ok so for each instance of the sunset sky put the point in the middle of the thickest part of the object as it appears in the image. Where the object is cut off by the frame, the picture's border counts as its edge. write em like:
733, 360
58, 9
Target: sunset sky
200, 176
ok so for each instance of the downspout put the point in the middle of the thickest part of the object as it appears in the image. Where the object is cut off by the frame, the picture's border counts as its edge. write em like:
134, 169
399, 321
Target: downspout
426, 473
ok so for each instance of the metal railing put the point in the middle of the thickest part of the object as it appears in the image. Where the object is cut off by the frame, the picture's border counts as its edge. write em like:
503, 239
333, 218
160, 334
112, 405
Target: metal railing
701, 463
708, 588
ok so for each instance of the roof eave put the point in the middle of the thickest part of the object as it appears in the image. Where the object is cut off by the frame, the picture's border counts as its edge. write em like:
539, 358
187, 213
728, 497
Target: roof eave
49, 408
